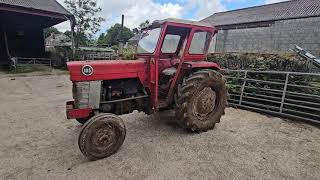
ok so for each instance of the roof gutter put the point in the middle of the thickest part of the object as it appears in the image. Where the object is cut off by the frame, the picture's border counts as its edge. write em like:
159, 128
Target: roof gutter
32, 11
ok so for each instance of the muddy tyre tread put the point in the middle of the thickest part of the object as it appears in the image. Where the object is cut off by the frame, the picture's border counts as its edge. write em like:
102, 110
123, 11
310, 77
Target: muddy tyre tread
82, 140
185, 96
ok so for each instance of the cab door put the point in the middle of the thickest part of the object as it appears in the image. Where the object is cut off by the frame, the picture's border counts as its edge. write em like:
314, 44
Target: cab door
154, 69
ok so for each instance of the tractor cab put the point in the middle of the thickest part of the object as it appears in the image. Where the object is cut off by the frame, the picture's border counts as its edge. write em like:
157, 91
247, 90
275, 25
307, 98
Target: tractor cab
170, 46
170, 72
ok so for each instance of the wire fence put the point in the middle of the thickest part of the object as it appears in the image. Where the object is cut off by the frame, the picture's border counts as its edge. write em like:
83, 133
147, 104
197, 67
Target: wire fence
288, 94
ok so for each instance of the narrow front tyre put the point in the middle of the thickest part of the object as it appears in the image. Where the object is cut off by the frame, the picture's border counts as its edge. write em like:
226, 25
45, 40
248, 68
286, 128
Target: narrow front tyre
102, 136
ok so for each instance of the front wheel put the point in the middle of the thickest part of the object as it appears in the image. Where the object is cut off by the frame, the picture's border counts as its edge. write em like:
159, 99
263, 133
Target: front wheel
102, 136
201, 100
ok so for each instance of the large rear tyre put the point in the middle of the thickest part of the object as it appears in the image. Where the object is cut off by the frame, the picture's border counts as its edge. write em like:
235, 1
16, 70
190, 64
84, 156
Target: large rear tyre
102, 136
201, 100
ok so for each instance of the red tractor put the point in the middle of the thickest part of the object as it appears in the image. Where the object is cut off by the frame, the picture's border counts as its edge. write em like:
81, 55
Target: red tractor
170, 71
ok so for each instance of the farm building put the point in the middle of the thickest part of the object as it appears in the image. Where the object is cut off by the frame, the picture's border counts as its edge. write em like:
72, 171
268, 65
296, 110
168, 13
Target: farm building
96, 53
58, 39
273, 28
21, 27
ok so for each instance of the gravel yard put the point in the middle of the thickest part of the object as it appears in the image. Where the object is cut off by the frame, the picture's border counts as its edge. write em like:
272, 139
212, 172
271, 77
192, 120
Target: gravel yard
37, 142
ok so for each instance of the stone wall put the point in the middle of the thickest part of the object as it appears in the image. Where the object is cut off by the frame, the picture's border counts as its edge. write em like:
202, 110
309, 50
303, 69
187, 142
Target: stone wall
279, 37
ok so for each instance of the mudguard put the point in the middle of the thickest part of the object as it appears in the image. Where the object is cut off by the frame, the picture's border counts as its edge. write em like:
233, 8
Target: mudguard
201, 64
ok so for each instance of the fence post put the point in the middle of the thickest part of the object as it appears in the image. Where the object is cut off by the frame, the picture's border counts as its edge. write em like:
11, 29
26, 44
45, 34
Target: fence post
284, 92
243, 86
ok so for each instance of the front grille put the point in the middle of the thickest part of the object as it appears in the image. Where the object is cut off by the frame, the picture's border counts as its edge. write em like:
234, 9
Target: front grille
80, 93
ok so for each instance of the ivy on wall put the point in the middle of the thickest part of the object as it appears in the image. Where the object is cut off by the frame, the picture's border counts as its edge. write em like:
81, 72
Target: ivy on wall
263, 62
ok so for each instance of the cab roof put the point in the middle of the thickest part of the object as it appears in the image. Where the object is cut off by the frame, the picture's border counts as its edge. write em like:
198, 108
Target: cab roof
180, 21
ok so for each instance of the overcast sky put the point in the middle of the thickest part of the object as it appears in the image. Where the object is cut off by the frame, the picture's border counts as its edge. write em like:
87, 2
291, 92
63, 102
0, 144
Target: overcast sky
137, 11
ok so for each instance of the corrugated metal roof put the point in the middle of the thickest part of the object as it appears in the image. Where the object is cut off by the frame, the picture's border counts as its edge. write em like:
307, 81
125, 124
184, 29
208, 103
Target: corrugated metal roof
278, 11
44, 5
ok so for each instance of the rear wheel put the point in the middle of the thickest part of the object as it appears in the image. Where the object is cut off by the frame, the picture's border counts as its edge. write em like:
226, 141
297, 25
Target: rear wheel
201, 100
102, 136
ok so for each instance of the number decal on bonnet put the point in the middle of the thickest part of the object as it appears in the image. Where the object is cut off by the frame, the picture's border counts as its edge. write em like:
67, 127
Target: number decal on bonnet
87, 70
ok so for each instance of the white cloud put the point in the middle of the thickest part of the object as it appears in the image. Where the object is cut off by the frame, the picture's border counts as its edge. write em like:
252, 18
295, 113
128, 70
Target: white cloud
65, 26
137, 11
204, 8
273, 1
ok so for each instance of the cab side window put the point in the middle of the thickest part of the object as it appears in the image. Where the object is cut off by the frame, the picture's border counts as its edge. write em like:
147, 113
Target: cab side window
199, 42
170, 44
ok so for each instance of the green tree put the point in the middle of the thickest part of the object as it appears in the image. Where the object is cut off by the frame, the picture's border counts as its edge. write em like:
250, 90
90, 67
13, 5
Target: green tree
48, 31
68, 33
102, 39
87, 21
112, 36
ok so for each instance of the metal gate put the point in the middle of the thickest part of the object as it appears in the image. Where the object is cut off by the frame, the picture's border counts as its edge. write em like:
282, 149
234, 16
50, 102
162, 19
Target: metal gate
35, 61
288, 94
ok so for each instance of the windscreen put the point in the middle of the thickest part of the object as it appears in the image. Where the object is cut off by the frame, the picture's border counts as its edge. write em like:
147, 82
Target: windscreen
148, 41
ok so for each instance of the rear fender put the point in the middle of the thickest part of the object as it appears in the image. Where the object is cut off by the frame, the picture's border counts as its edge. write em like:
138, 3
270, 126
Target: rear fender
201, 65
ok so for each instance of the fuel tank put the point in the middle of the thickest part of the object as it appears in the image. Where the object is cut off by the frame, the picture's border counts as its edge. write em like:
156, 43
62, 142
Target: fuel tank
106, 70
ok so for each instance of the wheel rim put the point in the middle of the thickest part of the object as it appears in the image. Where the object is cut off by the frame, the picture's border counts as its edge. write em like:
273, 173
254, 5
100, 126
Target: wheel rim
104, 137
205, 102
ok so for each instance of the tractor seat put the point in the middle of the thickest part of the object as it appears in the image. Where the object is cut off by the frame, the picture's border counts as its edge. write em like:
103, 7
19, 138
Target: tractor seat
169, 71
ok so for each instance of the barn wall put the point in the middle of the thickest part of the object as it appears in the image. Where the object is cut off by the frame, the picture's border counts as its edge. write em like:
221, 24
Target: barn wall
277, 38
26, 42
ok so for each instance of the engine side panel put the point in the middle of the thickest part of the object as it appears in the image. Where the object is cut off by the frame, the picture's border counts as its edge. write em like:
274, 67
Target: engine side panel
87, 94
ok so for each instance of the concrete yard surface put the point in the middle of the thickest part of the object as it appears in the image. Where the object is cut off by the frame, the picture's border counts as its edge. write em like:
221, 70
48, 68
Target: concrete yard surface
37, 142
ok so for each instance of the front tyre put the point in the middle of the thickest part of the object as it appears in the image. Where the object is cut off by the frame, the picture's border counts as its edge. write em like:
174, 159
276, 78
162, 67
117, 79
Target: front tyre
201, 100
102, 136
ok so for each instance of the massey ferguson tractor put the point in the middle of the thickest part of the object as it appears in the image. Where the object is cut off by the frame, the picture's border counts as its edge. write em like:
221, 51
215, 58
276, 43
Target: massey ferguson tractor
170, 72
